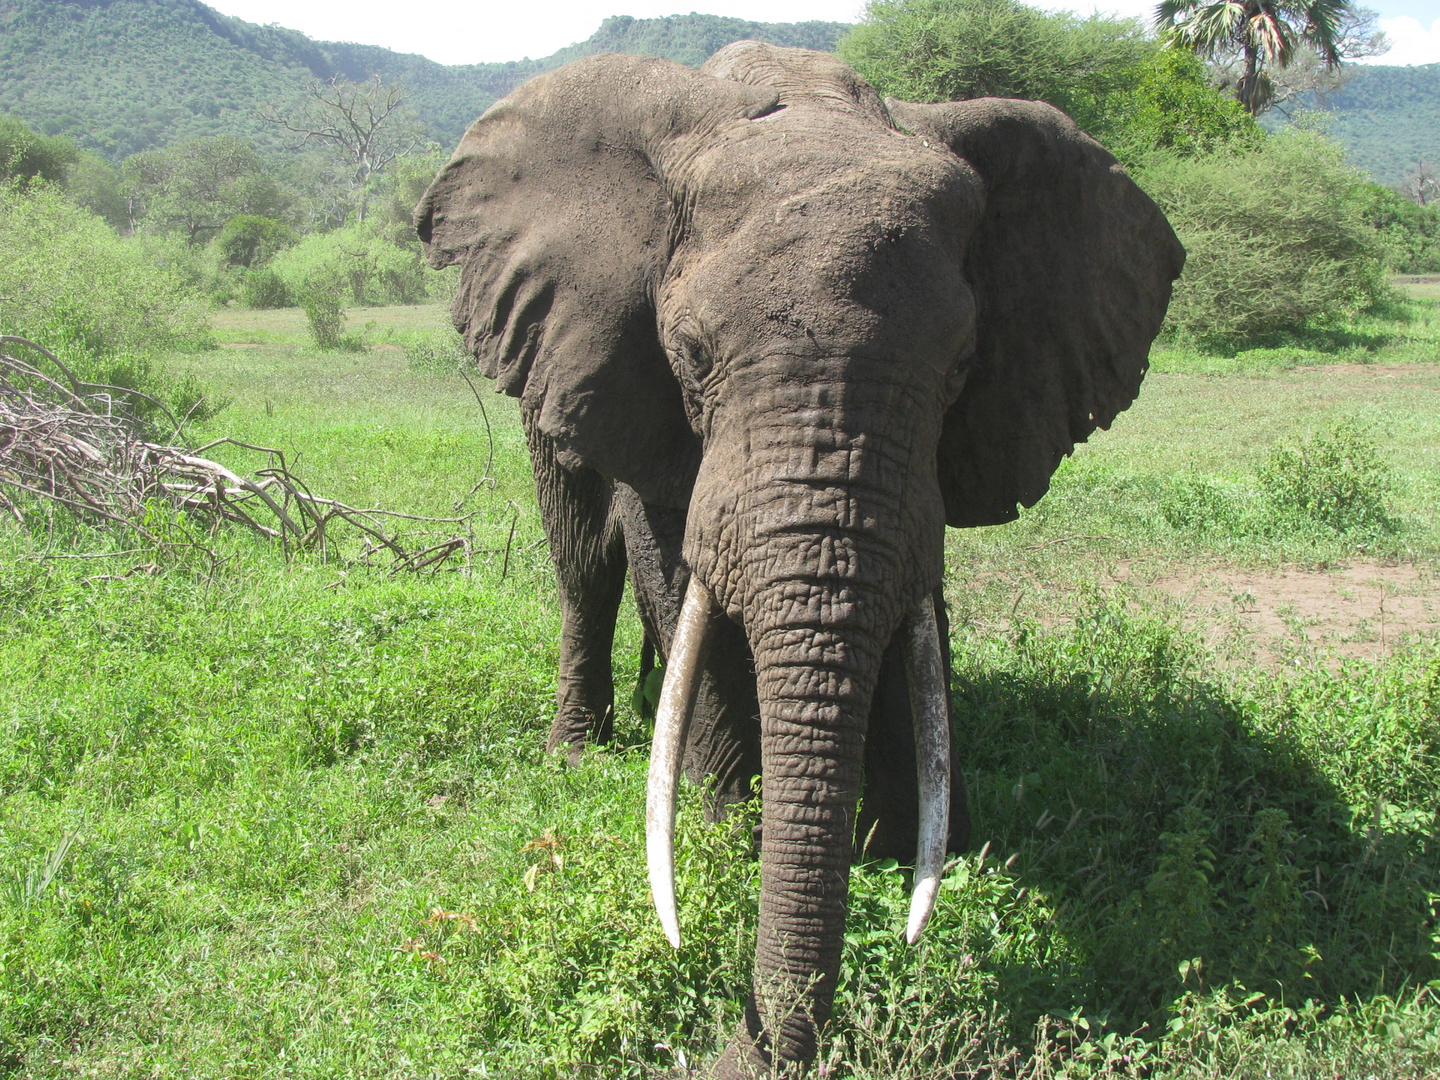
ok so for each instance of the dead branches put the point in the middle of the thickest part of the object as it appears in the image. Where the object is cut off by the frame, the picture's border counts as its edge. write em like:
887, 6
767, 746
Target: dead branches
66, 446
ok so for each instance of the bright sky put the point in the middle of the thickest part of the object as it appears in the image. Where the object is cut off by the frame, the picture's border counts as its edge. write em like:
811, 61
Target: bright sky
467, 32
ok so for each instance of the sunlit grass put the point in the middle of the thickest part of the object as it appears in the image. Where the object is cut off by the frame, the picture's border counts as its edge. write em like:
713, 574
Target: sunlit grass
295, 819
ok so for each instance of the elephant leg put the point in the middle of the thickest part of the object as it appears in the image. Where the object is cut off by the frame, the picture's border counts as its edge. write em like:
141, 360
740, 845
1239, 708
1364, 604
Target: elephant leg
724, 739
577, 510
888, 824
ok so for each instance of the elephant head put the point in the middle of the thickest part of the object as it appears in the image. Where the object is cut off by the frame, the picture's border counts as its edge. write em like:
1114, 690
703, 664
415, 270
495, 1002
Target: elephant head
826, 326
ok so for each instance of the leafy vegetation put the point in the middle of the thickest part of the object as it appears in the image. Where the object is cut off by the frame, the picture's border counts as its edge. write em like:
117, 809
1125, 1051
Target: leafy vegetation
26, 156
99, 302
941, 50
1276, 241
70, 68
303, 808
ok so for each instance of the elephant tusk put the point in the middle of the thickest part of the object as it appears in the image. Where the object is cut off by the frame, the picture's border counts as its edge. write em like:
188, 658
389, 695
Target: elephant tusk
930, 705
672, 718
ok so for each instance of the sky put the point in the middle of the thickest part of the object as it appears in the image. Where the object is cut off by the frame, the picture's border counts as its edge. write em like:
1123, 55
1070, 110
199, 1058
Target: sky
478, 31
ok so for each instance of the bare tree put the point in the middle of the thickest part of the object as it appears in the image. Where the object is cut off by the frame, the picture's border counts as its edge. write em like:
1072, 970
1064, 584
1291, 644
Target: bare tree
366, 124
1422, 185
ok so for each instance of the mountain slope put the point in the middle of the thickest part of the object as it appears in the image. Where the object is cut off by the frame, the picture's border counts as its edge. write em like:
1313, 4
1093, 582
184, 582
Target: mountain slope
1388, 118
120, 76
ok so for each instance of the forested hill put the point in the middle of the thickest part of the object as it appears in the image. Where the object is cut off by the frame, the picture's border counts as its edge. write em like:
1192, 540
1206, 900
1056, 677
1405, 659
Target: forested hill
1389, 119
120, 76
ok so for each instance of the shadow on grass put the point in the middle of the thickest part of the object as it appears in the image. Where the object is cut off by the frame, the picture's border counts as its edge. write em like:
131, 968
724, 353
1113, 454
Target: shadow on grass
1177, 837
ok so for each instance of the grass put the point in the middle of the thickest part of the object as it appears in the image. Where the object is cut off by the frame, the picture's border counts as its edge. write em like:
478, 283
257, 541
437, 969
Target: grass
295, 820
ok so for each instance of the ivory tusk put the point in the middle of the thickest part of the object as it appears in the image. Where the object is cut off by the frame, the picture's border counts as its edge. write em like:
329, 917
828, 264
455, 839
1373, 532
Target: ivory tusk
930, 705
667, 748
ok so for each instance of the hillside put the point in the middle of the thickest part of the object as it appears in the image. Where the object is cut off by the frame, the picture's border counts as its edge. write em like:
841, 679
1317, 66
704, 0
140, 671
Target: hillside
1389, 119
125, 75
120, 76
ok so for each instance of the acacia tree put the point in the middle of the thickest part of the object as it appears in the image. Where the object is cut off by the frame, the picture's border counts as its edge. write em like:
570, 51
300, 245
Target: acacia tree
367, 125
1263, 37
196, 186
949, 50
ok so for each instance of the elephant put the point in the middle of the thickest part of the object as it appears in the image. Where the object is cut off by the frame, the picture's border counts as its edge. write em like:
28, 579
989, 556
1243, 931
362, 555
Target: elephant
770, 335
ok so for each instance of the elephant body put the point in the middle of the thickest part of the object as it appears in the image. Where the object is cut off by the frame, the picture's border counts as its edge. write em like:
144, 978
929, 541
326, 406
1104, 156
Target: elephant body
770, 335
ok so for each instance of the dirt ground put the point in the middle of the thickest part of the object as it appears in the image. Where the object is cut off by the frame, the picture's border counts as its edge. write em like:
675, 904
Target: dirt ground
1363, 610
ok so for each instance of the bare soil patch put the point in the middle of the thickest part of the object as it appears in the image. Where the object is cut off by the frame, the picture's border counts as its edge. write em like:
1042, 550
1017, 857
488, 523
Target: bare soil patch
1364, 610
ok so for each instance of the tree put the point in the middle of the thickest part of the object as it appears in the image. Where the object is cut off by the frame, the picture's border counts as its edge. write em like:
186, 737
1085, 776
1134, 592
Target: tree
950, 50
367, 125
1308, 81
1174, 109
1263, 37
1423, 184
92, 182
26, 156
249, 239
198, 185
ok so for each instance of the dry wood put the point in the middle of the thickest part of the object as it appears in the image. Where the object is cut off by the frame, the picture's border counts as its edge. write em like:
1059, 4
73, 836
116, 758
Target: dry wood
66, 446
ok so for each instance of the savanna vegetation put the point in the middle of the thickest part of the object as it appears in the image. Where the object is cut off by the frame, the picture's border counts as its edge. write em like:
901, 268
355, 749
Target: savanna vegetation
274, 809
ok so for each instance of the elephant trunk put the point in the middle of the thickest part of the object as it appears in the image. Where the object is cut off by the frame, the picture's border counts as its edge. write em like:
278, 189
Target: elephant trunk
816, 524
815, 685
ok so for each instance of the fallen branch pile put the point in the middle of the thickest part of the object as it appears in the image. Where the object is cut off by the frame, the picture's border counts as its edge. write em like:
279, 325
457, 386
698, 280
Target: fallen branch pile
67, 445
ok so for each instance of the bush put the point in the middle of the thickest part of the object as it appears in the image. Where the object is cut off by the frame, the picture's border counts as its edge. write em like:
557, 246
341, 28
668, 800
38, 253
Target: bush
1276, 242
1173, 108
71, 283
324, 312
373, 270
1338, 480
435, 349
264, 289
1409, 231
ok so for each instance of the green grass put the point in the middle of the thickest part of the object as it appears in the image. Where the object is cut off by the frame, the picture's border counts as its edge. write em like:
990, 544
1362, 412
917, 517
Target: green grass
295, 819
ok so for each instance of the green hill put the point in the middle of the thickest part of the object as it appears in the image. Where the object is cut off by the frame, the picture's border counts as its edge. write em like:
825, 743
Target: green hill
125, 75
1389, 119
120, 76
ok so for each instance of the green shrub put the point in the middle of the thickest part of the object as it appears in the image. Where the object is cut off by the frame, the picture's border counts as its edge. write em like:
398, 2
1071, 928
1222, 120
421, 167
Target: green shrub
373, 270
1276, 243
324, 312
1338, 480
1409, 231
264, 289
1203, 504
950, 50
69, 281
26, 157
100, 302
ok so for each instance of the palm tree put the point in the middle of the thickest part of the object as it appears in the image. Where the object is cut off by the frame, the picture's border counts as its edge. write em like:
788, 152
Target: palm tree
1264, 32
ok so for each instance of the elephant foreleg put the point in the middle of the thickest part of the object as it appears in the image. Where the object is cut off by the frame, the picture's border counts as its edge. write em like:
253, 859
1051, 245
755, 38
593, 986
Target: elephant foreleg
586, 545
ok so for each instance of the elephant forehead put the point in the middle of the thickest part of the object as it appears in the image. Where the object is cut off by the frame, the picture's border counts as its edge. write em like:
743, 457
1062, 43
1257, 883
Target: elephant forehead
806, 152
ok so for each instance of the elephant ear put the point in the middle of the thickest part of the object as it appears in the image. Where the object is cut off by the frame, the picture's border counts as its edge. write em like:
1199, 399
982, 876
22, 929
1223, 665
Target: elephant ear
1071, 265
554, 212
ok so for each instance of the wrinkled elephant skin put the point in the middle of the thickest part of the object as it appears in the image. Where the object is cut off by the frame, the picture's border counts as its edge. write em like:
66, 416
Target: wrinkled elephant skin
770, 335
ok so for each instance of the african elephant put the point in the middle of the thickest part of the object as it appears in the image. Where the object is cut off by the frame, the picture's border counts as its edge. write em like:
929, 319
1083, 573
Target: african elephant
770, 335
